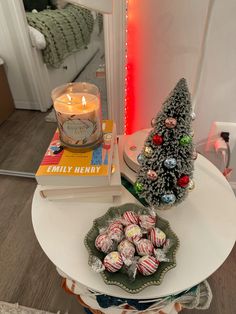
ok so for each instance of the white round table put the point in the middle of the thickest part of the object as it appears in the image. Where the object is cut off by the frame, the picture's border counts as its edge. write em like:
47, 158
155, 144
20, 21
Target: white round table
204, 223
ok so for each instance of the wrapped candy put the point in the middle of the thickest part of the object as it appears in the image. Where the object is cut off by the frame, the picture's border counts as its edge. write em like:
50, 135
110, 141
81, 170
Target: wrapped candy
115, 232
132, 269
167, 245
114, 225
96, 264
147, 221
161, 254
157, 237
147, 265
113, 262
152, 211
104, 243
131, 217
133, 233
127, 251
132, 247
144, 247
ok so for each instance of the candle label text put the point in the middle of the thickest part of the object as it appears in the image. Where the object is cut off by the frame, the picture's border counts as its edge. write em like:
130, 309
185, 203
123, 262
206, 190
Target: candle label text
79, 130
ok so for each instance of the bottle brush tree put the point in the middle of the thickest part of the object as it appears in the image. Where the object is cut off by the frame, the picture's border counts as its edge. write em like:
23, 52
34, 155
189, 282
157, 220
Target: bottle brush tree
166, 161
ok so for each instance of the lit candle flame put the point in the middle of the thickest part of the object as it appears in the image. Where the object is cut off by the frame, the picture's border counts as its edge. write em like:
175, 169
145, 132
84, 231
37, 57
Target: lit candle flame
83, 102
69, 97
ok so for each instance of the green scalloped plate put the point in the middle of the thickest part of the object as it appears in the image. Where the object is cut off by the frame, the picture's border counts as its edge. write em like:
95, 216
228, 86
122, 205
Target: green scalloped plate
120, 279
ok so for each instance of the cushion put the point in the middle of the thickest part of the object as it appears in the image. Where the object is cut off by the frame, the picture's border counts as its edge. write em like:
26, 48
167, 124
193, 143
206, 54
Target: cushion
37, 39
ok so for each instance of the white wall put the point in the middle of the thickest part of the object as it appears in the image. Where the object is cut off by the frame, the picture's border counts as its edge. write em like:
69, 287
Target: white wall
165, 47
217, 98
165, 44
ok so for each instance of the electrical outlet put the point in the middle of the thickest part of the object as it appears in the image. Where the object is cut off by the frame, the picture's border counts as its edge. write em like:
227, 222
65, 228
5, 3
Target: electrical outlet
216, 129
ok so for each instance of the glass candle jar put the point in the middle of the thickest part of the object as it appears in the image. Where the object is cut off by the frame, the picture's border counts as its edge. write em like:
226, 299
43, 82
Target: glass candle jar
78, 112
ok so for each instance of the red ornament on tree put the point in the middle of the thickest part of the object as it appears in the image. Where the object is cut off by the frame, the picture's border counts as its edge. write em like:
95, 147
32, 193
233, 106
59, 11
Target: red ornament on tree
157, 139
183, 181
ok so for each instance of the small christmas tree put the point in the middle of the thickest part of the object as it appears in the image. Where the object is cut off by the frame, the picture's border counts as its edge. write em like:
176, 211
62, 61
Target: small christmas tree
166, 161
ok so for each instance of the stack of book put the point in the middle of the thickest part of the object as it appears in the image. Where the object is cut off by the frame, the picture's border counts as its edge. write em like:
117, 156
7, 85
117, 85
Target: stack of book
94, 175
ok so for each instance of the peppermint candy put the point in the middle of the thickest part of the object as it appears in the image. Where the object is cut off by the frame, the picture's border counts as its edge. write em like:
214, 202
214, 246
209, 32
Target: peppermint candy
147, 221
115, 225
115, 231
103, 243
144, 247
127, 251
147, 265
113, 262
157, 237
133, 233
126, 248
116, 234
131, 217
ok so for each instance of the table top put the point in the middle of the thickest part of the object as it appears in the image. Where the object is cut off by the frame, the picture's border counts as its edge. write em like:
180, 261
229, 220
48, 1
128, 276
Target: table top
204, 223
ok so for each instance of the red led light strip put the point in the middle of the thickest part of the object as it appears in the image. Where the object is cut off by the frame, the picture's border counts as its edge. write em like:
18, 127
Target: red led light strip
129, 96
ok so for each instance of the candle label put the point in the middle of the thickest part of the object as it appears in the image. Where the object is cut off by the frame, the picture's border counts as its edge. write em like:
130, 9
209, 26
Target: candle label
79, 130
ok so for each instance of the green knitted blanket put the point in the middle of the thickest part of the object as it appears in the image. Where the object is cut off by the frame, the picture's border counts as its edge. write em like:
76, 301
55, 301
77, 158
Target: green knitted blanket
66, 31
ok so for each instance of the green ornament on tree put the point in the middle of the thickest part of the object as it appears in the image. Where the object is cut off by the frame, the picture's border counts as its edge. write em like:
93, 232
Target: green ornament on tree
185, 140
138, 187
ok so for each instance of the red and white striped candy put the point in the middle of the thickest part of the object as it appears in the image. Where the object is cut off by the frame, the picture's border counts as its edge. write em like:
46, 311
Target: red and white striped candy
126, 249
103, 243
115, 225
157, 236
133, 233
113, 262
144, 247
147, 265
147, 221
116, 233
131, 217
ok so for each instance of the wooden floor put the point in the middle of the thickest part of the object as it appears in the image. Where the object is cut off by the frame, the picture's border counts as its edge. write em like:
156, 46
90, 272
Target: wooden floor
24, 139
28, 277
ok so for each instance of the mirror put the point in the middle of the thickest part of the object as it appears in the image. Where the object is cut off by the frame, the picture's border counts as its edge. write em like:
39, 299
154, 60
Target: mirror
32, 69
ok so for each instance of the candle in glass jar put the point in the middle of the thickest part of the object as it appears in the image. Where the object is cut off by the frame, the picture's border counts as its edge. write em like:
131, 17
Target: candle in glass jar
79, 119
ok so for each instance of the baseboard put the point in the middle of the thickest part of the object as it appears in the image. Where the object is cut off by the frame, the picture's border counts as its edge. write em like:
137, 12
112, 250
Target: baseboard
17, 173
